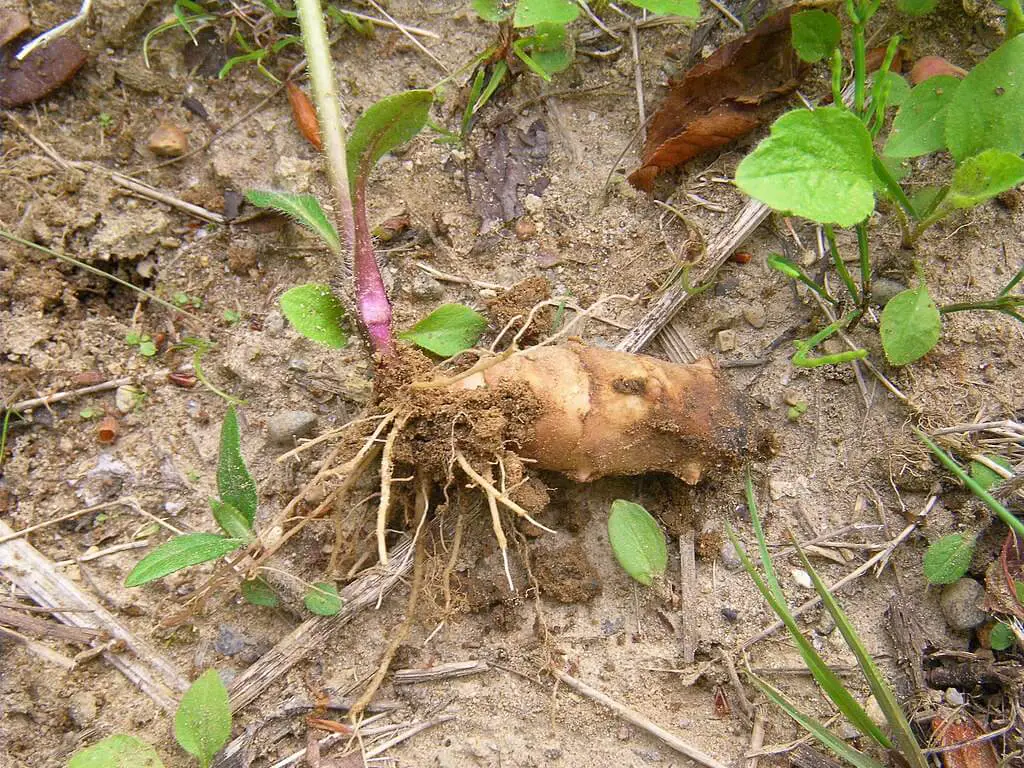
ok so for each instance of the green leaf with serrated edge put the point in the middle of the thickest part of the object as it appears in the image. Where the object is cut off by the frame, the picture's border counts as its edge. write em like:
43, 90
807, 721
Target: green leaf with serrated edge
815, 164
448, 330
899, 88
234, 483
916, 7
322, 599
304, 209
180, 552
815, 34
388, 124
529, 13
258, 592
987, 111
911, 325
637, 541
1001, 637
920, 126
315, 312
118, 751
986, 477
202, 724
830, 684
493, 10
906, 741
813, 726
688, 9
231, 521
983, 176
947, 559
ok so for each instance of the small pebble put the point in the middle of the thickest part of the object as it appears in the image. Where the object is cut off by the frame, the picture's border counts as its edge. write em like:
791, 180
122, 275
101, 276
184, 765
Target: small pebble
728, 557
884, 289
425, 287
273, 323
826, 625
533, 203
82, 708
168, 140
284, 427
954, 698
726, 340
791, 396
961, 604
299, 365
755, 315
126, 398
802, 578
488, 293
230, 641
730, 614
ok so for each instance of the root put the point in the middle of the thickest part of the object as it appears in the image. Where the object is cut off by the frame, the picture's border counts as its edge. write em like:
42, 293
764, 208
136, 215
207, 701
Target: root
453, 559
493, 494
387, 468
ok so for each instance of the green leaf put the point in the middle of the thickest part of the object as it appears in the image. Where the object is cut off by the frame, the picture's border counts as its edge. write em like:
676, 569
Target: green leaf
899, 88
927, 198
231, 521
304, 209
1001, 637
316, 313
258, 592
529, 13
983, 176
637, 541
947, 559
815, 164
147, 348
493, 10
815, 34
911, 325
986, 477
202, 724
551, 50
118, 751
916, 7
180, 552
388, 124
322, 599
234, 483
987, 111
448, 330
688, 9
920, 125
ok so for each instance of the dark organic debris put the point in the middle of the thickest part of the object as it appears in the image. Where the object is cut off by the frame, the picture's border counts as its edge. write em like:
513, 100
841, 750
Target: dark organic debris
43, 71
507, 169
722, 98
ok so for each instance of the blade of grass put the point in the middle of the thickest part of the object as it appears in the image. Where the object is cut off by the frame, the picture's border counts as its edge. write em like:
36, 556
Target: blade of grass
813, 726
762, 544
830, 684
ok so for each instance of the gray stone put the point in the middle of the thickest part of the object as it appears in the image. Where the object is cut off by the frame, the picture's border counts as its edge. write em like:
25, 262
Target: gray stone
755, 315
230, 641
884, 289
727, 555
82, 708
726, 340
961, 604
954, 698
284, 427
273, 323
425, 287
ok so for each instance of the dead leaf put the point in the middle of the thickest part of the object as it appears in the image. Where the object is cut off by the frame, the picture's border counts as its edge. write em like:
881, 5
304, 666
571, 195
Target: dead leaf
507, 169
304, 114
722, 98
12, 25
43, 71
956, 730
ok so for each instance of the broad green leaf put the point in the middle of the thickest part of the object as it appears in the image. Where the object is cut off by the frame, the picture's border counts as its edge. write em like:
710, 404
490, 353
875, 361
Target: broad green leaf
118, 751
322, 599
551, 50
899, 726
815, 164
920, 125
815, 34
202, 724
916, 7
180, 552
813, 726
983, 176
637, 541
231, 521
987, 110
493, 10
305, 209
911, 325
448, 330
316, 313
234, 483
947, 559
899, 89
999, 639
258, 592
530, 13
688, 9
388, 124
987, 478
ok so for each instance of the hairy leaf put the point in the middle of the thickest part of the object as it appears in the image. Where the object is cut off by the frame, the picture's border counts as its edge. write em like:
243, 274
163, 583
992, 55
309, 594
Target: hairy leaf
231, 521
1001, 637
911, 325
815, 34
688, 9
388, 124
983, 176
899, 88
322, 599
493, 10
815, 164
637, 541
986, 477
180, 552
258, 592
529, 13
448, 330
947, 559
920, 125
118, 751
234, 483
304, 209
987, 111
316, 313
202, 724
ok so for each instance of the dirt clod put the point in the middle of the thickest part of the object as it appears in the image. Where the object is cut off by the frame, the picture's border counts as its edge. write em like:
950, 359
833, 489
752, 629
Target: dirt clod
565, 574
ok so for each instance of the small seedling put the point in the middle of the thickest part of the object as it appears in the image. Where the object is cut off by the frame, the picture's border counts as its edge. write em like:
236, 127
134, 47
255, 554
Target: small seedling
90, 412
322, 599
231, 316
637, 541
142, 342
202, 726
183, 299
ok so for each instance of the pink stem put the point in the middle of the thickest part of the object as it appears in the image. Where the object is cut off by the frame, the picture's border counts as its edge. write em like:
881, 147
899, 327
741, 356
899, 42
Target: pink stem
371, 297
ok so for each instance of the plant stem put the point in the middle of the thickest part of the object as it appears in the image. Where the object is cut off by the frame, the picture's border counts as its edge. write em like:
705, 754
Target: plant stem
1005, 304
865, 263
859, 68
371, 295
844, 273
893, 187
1014, 18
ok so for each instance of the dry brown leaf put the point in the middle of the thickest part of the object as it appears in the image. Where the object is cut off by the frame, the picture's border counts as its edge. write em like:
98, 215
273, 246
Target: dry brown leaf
722, 98
42, 72
304, 114
958, 729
